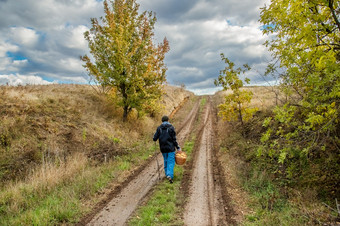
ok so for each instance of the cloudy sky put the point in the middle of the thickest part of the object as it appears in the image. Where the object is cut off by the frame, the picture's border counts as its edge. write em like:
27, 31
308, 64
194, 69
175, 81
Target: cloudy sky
41, 41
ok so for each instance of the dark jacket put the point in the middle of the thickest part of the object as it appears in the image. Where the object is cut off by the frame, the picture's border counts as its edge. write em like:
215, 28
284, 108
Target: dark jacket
167, 138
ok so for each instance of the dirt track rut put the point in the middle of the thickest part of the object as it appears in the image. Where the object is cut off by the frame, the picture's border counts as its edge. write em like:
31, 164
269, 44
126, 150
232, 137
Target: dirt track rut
121, 206
205, 204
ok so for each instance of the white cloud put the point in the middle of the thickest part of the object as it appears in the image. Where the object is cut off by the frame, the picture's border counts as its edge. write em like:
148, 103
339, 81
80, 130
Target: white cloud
71, 64
17, 79
197, 45
20, 63
48, 14
198, 31
255, 50
75, 37
5, 62
16, 65
206, 91
77, 79
46, 37
5, 47
24, 36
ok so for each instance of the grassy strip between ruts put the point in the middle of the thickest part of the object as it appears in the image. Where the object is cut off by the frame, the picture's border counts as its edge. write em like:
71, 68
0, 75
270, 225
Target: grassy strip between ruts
202, 103
161, 207
61, 194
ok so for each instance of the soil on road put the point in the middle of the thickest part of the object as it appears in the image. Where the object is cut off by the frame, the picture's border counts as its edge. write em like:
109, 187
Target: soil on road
123, 204
206, 203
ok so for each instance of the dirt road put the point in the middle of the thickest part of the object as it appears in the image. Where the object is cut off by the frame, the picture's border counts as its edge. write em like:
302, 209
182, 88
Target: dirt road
206, 205
118, 210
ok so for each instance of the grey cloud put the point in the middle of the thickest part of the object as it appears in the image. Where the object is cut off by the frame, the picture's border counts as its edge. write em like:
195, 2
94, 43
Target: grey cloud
43, 15
168, 10
59, 27
240, 12
197, 45
198, 31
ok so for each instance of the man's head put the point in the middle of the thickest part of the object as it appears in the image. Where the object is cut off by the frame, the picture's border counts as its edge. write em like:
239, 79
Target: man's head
165, 118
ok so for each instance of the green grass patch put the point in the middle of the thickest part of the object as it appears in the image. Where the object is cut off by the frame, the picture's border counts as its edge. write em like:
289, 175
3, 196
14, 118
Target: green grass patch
162, 209
269, 206
202, 103
188, 148
267, 199
28, 203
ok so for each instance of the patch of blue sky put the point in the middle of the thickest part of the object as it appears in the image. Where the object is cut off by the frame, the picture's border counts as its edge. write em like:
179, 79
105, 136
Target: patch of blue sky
68, 24
45, 78
42, 35
229, 22
233, 23
267, 26
68, 82
54, 80
15, 56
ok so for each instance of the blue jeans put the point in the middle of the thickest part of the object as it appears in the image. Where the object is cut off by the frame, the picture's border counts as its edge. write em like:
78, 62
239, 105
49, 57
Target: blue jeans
169, 164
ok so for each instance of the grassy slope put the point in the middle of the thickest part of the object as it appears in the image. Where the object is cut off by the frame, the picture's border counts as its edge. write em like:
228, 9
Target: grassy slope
61, 146
259, 197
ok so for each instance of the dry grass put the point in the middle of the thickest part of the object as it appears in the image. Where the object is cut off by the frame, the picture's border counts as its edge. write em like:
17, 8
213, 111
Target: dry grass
233, 167
239, 197
41, 181
59, 120
264, 98
58, 137
173, 97
312, 209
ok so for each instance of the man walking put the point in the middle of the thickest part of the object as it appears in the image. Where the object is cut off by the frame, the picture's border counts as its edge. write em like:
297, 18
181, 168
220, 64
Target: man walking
167, 143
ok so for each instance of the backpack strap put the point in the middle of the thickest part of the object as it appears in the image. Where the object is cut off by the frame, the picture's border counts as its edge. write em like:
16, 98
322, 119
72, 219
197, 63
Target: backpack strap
167, 130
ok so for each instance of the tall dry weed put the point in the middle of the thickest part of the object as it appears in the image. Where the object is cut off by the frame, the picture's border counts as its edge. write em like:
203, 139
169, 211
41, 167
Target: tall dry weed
41, 181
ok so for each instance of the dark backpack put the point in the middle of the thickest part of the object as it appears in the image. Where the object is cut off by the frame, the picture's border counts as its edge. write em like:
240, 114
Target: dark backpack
165, 139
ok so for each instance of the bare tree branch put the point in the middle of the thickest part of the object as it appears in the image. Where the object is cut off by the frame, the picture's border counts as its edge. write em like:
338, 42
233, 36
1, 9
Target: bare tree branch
330, 4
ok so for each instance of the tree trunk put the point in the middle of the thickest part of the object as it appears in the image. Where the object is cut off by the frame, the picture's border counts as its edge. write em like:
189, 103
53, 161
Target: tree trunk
125, 102
240, 113
125, 114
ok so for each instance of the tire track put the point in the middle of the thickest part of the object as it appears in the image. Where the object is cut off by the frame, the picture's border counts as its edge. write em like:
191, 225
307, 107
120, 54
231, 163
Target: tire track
123, 204
185, 130
205, 205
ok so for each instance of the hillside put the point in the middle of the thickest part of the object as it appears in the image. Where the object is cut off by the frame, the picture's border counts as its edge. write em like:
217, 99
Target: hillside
273, 192
40, 123
66, 157
61, 146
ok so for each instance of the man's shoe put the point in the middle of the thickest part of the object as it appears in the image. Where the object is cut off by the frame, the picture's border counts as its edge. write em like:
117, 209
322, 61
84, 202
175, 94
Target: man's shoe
170, 180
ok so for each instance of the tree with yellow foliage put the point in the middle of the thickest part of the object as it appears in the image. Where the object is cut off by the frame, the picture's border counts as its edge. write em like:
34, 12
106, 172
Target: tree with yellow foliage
124, 56
304, 134
236, 105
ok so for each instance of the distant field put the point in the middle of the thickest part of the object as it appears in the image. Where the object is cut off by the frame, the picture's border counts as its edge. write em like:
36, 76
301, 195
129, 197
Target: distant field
264, 97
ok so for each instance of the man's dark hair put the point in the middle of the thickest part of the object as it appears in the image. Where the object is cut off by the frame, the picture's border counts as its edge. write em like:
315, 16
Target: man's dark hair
165, 118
